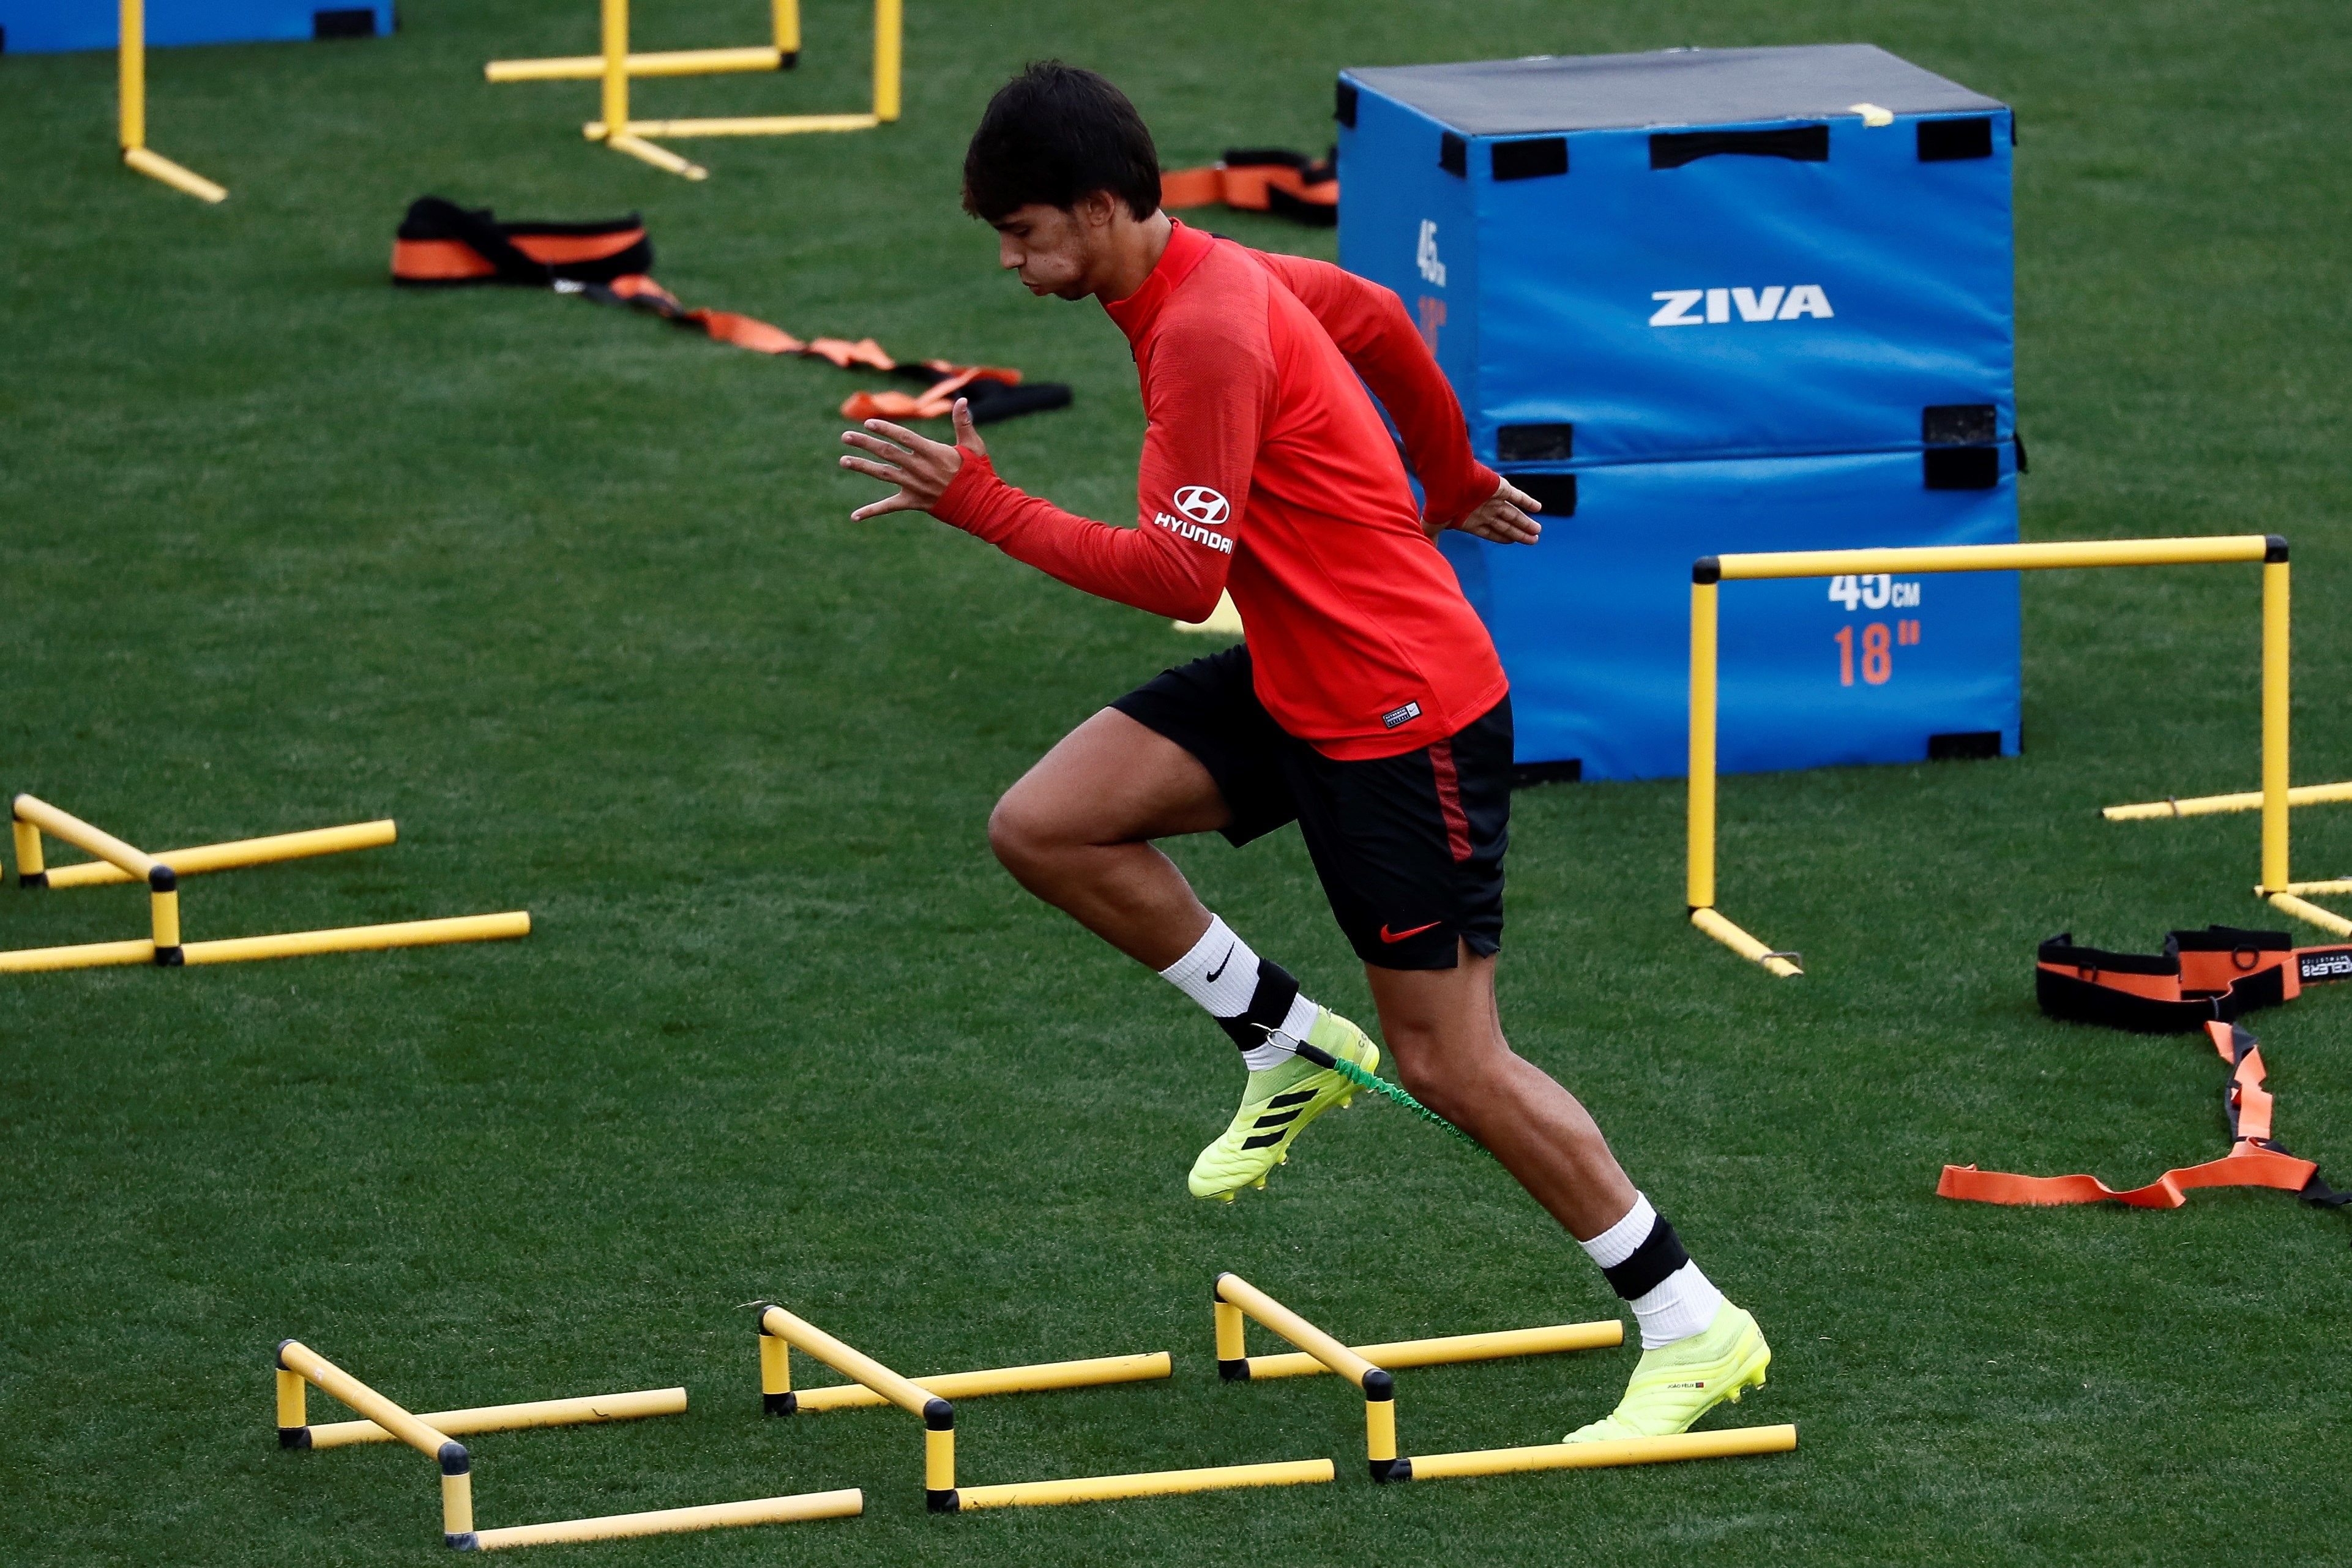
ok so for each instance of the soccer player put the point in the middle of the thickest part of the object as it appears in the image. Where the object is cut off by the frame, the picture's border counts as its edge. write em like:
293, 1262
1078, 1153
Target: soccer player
1367, 704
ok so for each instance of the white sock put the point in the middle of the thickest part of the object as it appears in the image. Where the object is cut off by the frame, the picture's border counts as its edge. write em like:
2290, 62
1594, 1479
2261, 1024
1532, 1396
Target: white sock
1257, 1003
1682, 1304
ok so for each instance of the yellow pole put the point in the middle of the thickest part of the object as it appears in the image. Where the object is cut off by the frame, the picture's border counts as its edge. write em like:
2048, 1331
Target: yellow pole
163, 915
297, 1357
202, 858
788, 32
32, 870
131, 64
91, 840
938, 1465
888, 25
1699, 883
671, 1521
1241, 1293
1232, 1341
294, 1410
1093, 1374
361, 939
83, 955
1716, 1444
776, 1376
2311, 913
2277, 716
2215, 805
585, 1410
1451, 1350
850, 1362
2206, 549
1158, 1483
616, 68
457, 1498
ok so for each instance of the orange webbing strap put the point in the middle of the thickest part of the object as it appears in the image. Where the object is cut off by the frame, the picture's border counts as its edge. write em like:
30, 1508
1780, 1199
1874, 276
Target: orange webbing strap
943, 381
2253, 1160
1259, 179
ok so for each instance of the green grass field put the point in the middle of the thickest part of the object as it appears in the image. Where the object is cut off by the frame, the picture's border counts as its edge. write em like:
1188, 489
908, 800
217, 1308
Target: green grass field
573, 596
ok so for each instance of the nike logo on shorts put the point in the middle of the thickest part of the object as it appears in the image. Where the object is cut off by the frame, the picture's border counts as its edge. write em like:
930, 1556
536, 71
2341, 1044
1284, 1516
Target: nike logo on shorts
1388, 935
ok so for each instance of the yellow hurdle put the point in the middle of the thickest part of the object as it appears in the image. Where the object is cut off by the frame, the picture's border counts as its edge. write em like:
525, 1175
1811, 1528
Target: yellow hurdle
131, 65
119, 862
1711, 571
300, 1369
1234, 1299
616, 66
781, 1333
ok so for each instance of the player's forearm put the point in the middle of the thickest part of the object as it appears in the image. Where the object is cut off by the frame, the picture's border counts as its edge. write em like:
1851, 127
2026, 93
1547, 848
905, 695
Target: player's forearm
1396, 364
1126, 565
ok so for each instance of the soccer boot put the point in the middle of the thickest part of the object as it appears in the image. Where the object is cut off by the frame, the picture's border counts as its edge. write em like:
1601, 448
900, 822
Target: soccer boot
1675, 1385
1277, 1105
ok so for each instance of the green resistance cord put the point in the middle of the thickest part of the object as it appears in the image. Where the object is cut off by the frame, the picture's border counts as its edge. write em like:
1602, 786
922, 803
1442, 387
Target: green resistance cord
1362, 1079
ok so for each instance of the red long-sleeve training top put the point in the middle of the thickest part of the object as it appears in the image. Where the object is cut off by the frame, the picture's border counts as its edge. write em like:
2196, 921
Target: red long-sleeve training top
1266, 470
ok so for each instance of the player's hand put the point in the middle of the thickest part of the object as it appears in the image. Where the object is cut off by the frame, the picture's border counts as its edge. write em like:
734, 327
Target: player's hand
921, 468
1505, 517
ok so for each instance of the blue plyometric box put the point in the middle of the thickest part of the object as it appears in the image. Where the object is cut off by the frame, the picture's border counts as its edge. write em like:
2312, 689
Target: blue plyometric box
35, 26
1594, 619
1676, 280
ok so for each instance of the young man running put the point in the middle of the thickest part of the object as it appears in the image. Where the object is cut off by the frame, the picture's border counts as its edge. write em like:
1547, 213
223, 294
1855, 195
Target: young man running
1368, 704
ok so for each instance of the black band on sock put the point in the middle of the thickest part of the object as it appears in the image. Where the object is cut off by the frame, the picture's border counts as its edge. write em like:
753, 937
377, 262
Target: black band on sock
1652, 1262
1269, 1005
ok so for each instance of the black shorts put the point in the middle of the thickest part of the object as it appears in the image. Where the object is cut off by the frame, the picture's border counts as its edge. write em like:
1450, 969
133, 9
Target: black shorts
1409, 848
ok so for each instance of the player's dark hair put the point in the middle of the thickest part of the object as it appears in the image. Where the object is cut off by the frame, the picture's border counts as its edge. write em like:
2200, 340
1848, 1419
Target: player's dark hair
1057, 134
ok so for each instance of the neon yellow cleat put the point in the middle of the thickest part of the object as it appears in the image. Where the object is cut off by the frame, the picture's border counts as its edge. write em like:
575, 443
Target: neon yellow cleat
1674, 1386
1277, 1107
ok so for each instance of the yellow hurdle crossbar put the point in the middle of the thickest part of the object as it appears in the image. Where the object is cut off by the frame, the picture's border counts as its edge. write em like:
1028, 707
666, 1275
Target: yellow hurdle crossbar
199, 859
781, 1333
1236, 1299
582, 1411
1452, 1350
1710, 573
130, 67
1092, 1374
782, 53
2217, 805
616, 66
299, 1369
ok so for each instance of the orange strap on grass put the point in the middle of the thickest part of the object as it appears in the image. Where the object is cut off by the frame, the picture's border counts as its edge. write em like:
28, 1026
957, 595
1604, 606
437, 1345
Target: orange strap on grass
1260, 179
2253, 1160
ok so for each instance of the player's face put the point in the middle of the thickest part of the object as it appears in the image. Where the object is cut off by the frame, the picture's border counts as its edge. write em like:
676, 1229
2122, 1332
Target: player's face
1053, 249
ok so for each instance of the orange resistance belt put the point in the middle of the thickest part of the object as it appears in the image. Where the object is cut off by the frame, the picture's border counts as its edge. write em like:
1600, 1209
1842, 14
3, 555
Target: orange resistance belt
2255, 1160
2221, 972
1260, 179
440, 243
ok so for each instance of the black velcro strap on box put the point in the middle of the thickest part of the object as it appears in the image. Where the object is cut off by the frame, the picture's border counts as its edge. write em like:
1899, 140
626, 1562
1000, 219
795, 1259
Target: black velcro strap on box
1949, 140
1961, 468
1454, 155
1344, 107
1530, 160
1799, 143
1556, 493
1535, 442
1959, 424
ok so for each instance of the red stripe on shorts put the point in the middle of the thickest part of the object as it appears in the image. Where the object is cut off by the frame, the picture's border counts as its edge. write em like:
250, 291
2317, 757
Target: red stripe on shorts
1449, 799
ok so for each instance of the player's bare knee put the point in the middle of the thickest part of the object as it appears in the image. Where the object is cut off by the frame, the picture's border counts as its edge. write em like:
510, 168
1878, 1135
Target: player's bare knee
1022, 837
